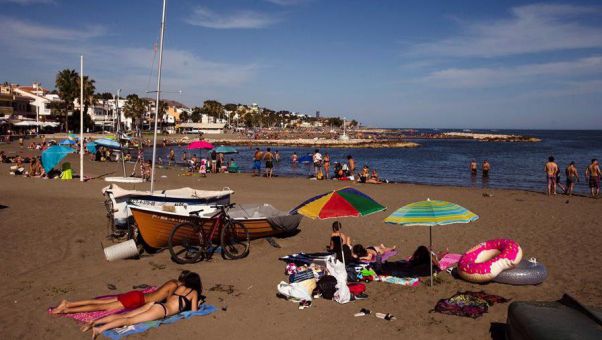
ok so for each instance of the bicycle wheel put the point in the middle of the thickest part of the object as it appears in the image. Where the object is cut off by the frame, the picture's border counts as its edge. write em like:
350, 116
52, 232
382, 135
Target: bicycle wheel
186, 244
235, 240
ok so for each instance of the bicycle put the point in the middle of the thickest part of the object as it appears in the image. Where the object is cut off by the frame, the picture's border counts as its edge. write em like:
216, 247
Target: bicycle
189, 242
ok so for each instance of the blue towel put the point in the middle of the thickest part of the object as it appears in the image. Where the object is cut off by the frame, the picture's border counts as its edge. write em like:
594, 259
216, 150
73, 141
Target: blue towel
119, 333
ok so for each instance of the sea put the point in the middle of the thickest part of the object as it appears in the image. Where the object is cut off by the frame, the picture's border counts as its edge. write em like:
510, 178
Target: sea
514, 165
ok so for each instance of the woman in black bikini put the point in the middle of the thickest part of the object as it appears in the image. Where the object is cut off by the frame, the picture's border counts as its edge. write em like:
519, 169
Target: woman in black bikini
185, 298
340, 243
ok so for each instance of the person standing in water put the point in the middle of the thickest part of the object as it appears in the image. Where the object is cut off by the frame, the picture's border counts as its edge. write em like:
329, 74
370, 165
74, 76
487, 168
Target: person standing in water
268, 157
351, 164
551, 170
572, 177
171, 158
485, 168
592, 175
473, 167
326, 163
257, 162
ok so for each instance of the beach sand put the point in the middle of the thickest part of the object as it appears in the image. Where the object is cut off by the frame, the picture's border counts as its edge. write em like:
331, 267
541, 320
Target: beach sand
51, 249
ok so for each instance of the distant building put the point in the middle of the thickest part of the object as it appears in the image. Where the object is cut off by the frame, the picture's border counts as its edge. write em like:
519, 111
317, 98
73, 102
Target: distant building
40, 98
208, 128
15, 105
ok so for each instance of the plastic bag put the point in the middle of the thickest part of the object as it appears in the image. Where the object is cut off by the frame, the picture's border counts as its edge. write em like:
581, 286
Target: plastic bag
337, 269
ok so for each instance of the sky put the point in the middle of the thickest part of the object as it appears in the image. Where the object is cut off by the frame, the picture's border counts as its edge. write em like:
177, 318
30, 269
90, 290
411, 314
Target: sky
386, 63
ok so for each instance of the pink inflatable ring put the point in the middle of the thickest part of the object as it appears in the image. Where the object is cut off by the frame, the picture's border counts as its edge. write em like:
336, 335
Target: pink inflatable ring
487, 260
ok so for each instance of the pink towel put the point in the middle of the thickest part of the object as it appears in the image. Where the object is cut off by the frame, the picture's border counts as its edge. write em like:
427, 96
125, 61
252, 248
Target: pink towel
91, 316
449, 260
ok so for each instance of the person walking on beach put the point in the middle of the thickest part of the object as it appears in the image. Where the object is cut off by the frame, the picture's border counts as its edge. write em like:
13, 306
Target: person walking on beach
257, 162
592, 175
213, 162
326, 162
551, 170
268, 157
485, 168
473, 167
317, 160
572, 177
171, 158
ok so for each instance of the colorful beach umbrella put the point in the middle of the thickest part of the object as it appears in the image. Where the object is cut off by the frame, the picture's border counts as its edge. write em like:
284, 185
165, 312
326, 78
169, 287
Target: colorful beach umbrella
108, 143
91, 147
200, 144
431, 213
346, 202
225, 149
54, 155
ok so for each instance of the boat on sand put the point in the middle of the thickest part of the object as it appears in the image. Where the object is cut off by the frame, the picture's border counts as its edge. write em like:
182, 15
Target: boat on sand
262, 220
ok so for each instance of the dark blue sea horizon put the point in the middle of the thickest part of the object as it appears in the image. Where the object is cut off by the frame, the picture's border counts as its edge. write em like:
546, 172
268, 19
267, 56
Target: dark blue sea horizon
446, 162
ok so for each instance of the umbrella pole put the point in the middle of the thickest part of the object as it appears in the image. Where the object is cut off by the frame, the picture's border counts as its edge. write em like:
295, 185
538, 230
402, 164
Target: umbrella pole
431, 252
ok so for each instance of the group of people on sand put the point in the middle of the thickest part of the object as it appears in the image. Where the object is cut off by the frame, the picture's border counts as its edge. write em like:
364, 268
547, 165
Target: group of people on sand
485, 168
173, 297
592, 176
269, 158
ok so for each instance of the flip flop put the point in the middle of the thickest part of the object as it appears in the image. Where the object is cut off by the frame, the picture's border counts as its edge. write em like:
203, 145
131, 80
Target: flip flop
387, 316
363, 312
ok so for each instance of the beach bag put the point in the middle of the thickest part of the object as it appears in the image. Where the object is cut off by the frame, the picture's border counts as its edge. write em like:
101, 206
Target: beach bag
327, 285
337, 269
356, 288
295, 291
301, 276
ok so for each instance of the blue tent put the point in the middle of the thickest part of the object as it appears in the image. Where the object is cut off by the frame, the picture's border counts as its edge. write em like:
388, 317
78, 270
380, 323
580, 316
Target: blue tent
67, 142
91, 147
54, 155
108, 143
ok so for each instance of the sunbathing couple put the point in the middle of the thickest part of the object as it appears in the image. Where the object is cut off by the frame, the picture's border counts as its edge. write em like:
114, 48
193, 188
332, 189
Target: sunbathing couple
176, 296
416, 265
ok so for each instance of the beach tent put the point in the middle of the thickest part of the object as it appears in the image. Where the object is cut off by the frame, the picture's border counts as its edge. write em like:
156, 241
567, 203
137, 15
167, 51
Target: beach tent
54, 155
67, 142
108, 143
91, 147
430, 213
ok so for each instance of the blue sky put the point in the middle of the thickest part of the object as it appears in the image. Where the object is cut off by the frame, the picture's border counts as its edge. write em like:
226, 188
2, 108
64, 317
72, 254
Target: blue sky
387, 63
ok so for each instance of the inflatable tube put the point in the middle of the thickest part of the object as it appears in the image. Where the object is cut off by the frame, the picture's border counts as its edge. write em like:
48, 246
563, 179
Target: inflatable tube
487, 260
526, 273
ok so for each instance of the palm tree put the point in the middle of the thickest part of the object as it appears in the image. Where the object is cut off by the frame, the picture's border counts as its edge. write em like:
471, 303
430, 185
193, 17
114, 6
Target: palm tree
134, 108
66, 84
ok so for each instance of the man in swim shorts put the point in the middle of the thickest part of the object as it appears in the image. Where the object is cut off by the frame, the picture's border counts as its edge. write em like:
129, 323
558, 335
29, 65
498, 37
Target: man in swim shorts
592, 174
551, 170
486, 167
571, 178
257, 162
473, 167
269, 163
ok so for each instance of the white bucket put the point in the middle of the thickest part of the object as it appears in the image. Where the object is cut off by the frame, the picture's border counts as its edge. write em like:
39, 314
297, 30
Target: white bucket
121, 250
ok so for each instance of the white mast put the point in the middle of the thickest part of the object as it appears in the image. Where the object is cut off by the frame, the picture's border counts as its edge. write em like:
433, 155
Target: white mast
81, 120
158, 95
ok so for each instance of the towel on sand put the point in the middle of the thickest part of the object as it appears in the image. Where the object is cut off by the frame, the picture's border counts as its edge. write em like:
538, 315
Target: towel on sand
449, 260
86, 317
118, 333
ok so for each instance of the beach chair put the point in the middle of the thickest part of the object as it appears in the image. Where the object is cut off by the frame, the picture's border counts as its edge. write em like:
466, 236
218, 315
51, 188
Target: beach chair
67, 172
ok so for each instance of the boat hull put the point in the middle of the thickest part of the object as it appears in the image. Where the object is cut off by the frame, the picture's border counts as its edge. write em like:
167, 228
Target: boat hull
155, 226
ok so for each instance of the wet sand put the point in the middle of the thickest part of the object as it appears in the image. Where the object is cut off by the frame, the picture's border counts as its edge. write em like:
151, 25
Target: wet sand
51, 249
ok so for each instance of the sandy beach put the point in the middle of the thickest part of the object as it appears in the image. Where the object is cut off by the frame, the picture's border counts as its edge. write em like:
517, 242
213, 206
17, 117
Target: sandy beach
51, 249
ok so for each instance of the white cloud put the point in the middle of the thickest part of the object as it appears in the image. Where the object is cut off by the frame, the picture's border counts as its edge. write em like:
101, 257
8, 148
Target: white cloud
19, 29
530, 29
491, 77
238, 19
287, 2
28, 2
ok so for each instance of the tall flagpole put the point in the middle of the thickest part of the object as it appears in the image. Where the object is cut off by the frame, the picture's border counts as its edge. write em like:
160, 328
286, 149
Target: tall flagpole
158, 96
81, 120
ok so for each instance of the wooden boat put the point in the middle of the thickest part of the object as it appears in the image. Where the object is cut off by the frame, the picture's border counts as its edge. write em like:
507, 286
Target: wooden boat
262, 220
119, 199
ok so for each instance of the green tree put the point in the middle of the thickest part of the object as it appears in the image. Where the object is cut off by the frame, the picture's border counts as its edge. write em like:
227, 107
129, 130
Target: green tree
184, 116
67, 85
213, 108
134, 108
196, 115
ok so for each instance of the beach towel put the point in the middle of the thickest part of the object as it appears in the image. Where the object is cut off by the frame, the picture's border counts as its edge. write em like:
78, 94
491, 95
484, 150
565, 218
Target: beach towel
91, 316
119, 333
384, 257
402, 281
468, 304
449, 260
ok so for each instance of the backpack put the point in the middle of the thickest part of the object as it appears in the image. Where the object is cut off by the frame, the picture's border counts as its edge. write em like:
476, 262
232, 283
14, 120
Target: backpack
327, 286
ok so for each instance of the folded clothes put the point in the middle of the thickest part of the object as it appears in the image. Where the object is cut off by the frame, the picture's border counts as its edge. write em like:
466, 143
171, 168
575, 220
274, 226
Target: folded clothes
119, 333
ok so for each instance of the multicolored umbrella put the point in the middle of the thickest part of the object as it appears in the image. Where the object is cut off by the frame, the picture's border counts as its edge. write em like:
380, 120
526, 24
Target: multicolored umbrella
225, 149
430, 213
346, 202
53, 155
200, 144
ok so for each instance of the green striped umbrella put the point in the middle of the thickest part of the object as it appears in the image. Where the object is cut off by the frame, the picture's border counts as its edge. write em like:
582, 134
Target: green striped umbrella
430, 213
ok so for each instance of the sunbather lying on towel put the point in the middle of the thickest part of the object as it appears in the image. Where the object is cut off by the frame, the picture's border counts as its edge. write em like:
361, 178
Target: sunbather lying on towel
130, 300
370, 254
417, 265
185, 298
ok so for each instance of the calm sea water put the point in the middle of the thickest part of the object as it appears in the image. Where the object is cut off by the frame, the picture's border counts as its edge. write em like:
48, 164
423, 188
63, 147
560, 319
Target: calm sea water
446, 162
